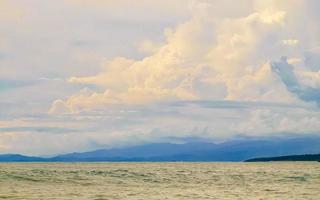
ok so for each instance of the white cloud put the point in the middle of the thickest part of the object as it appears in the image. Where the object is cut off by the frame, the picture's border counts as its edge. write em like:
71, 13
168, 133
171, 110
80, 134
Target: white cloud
201, 59
272, 121
290, 42
123, 126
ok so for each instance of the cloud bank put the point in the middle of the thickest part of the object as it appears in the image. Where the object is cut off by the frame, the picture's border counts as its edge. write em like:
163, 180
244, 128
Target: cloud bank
207, 58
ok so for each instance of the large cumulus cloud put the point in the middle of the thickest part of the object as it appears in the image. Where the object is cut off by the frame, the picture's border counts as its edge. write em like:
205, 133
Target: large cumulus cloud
210, 57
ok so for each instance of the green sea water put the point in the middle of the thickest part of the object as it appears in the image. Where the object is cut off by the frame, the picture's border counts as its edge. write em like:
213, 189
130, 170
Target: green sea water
101, 181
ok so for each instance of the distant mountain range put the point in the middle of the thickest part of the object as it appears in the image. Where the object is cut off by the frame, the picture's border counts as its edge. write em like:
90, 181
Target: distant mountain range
236, 150
19, 158
306, 157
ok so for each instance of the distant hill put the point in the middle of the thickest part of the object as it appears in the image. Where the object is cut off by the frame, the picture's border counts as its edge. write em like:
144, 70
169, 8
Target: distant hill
234, 151
306, 157
19, 158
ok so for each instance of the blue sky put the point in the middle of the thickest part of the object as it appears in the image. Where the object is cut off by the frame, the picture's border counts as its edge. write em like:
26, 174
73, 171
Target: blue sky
78, 75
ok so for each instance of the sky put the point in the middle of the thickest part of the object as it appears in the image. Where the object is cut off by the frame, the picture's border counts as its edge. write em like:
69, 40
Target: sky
80, 75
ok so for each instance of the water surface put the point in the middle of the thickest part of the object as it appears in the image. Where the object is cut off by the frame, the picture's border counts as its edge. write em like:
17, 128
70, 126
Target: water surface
100, 181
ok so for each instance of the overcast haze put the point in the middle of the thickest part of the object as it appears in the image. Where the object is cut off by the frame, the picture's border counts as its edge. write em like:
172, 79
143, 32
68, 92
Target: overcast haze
78, 75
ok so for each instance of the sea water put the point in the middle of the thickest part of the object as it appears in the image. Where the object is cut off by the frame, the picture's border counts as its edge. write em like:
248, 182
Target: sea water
147, 181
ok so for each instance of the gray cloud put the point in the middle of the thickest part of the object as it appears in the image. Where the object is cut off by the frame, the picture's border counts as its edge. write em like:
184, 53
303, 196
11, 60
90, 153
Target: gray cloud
312, 60
286, 73
54, 130
12, 84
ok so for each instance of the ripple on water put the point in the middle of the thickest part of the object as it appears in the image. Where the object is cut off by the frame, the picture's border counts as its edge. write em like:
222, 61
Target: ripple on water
159, 181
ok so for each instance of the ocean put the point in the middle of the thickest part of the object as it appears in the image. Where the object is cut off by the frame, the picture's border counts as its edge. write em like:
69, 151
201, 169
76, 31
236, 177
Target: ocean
148, 181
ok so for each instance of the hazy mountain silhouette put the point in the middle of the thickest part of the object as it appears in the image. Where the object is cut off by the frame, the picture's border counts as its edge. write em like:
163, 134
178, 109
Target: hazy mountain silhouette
19, 158
236, 150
